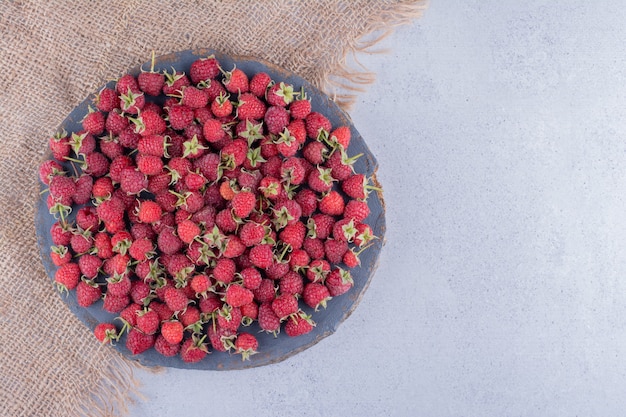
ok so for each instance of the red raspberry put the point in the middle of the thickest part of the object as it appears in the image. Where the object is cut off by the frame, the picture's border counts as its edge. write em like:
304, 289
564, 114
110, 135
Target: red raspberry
204, 69
364, 235
165, 348
224, 270
194, 98
129, 138
151, 82
87, 293
315, 152
293, 171
174, 83
102, 244
298, 325
175, 299
141, 249
208, 165
60, 255
243, 203
299, 260
67, 276
214, 89
259, 84
111, 147
172, 331
314, 123
105, 332
246, 345
59, 144
149, 211
341, 165
116, 122
234, 153
251, 278
84, 187
276, 119
314, 247
81, 242
297, 129
106, 100
89, 265
139, 291
125, 83
265, 292
188, 231
61, 236
194, 181
334, 250
293, 234
119, 285
138, 342
356, 210
315, 295
49, 169
355, 186
220, 338
236, 81
147, 321
250, 107
300, 109
83, 143
344, 230
180, 116
168, 242
229, 318
277, 270
133, 181
261, 256
291, 283
149, 164
318, 270
341, 136
332, 204
94, 122
338, 282
268, 321
164, 312
250, 313
251, 234
62, 187
307, 199
132, 102
114, 303
237, 296
222, 106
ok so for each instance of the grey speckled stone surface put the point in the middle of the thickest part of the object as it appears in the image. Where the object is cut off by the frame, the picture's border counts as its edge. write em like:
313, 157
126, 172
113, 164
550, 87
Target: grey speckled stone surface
502, 287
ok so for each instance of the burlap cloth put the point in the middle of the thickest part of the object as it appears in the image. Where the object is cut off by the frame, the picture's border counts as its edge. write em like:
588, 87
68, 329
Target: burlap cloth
52, 55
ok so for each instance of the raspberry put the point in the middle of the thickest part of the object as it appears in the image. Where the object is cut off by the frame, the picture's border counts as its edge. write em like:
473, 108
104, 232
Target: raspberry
106, 100
149, 165
276, 119
259, 84
262, 256
204, 69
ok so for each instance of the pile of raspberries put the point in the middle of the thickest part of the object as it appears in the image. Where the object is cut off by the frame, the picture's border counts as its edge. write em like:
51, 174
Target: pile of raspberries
193, 204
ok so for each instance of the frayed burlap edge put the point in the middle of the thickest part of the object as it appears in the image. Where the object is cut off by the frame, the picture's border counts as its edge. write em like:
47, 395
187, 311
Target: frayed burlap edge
349, 76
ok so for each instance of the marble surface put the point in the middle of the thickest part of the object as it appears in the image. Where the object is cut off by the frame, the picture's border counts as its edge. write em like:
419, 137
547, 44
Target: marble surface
500, 131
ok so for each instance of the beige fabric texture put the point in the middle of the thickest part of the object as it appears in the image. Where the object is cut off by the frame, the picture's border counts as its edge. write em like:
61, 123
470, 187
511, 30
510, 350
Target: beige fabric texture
55, 53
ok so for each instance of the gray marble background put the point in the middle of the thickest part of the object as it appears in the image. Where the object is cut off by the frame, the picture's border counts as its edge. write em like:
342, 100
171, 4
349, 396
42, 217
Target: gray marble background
500, 131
